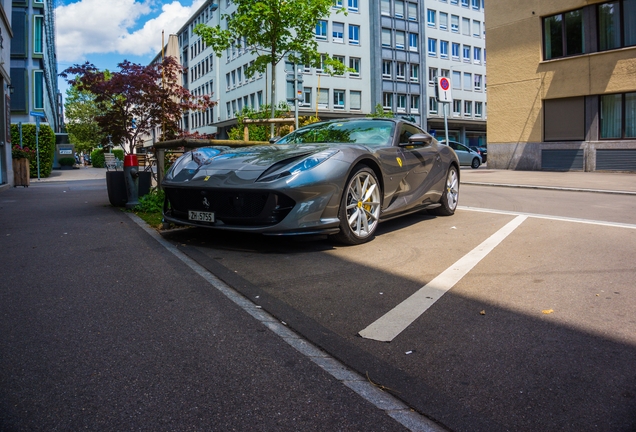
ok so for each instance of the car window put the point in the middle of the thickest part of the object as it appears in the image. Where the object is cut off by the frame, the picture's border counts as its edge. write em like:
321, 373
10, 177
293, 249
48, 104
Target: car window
461, 148
367, 132
407, 131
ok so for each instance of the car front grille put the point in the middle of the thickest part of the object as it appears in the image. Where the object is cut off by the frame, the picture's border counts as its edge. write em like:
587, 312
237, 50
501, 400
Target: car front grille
240, 208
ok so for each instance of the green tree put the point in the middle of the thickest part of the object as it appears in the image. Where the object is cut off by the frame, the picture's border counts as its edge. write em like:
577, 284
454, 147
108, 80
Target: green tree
136, 99
273, 30
379, 112
81, 112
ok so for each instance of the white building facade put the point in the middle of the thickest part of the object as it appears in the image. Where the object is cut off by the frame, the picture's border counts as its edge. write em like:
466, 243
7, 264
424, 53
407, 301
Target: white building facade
383, 42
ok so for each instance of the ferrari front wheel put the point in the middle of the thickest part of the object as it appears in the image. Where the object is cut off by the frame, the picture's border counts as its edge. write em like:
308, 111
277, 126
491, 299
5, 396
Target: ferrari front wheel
360, 207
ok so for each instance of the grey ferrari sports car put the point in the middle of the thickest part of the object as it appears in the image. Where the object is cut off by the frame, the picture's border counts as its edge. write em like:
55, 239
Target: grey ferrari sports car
338, 177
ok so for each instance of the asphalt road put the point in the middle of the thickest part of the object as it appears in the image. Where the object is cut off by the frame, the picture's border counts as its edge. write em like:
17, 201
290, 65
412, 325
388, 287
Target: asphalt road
103, 328
539, 335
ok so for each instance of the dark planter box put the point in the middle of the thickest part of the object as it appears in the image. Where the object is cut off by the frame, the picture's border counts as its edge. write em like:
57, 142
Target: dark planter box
116, 185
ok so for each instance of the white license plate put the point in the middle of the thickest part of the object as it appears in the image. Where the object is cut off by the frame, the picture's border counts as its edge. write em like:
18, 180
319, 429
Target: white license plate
201, 216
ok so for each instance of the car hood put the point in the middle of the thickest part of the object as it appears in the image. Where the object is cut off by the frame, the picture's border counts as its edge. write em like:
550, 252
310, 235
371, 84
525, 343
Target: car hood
224, 165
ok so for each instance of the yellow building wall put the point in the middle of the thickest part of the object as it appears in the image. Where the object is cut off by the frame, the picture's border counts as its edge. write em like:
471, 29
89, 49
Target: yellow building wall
519, 79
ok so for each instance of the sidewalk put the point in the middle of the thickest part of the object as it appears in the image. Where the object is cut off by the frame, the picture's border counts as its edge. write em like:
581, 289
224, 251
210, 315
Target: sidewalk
619, 183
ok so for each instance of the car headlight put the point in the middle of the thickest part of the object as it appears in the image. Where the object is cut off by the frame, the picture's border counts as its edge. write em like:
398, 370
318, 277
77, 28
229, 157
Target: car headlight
304, 164
190, 162
312, 161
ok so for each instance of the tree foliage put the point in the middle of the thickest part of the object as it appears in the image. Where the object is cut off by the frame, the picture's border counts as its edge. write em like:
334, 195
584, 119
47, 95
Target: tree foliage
81, 112
379, 112
135, 100
273, 30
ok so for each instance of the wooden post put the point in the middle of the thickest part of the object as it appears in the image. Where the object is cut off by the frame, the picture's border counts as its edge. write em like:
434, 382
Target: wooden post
246, 133
21, 172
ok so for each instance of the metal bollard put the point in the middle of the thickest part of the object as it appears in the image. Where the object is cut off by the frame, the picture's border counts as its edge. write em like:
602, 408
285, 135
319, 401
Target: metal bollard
131, 176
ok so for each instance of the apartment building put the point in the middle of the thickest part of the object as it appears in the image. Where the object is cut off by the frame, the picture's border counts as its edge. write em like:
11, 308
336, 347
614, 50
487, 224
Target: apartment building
382, 42
5, 94
562, 93
34, 64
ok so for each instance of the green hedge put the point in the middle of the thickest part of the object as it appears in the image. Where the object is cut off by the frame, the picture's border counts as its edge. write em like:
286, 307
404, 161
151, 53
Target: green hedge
98, 160
67, 161
46, 144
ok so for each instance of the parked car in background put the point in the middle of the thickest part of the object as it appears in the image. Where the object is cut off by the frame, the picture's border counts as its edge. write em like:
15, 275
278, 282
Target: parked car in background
465, 154
483, 152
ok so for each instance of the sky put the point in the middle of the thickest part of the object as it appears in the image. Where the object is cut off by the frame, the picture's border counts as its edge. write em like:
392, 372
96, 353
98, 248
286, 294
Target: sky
105, 33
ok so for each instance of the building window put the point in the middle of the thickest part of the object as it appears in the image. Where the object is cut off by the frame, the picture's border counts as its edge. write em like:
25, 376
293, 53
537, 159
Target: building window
466, 51
443, 49
455, 51
38, 35
401, 103
387, 101
399, 40
354, 34
415, 73
455, 23
443, 21
432, 75
563, 35
323, 98
476, 4
337, 32
354, 63
38, 89
413, 41
445, 73
477, 55
564, 119
321, 30
306, 96
355, 100
337, 3
385, 7
478, 109
386, 37
477, 82
338, 99
430, 17
468, 81
457, 107
399, 8
352, 5
415, 104
386, 69
432, 105
465, 3
400, 71
476, 29
468, 108
457, 80
412, 11
432, 47
618, 116
465, 26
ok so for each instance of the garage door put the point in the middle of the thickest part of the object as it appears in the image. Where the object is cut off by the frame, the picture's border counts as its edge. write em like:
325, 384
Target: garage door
562, 160
616, 160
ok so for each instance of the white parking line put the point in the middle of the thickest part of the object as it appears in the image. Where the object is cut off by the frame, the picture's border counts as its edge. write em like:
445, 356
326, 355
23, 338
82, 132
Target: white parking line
399, 318
548, 217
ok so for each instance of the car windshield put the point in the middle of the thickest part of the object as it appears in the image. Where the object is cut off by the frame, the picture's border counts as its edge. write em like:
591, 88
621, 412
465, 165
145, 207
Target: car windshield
365, 132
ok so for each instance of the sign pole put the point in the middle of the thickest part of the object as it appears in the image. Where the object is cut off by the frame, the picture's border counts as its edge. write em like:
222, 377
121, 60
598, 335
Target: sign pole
443, 93
446, 109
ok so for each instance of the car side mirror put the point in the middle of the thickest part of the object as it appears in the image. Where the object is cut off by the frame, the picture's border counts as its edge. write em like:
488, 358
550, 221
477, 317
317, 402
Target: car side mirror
272, 140
418, 139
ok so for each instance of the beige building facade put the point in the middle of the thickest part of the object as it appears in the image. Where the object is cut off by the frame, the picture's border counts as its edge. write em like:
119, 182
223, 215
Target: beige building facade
561, 84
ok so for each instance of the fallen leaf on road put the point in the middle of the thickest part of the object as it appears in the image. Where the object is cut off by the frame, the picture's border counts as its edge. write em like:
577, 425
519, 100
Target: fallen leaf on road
482, 312
547, 311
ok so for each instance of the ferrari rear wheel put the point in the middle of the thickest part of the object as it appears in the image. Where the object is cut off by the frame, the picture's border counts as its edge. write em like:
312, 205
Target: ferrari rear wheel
359, 208
450, 195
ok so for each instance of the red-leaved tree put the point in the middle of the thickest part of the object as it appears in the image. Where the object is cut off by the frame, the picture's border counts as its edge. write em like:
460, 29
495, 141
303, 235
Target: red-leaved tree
137, 99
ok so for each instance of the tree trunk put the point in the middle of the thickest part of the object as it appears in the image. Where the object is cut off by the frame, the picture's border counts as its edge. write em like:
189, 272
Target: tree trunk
273, 102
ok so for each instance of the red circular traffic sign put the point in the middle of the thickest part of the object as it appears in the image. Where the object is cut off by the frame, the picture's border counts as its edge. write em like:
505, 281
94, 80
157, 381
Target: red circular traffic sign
444, 84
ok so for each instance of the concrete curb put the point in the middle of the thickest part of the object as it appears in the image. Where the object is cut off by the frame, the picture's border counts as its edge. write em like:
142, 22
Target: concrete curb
559, 188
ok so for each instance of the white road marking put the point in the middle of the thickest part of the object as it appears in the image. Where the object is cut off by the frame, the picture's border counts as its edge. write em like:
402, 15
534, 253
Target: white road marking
399, 318
549, 217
